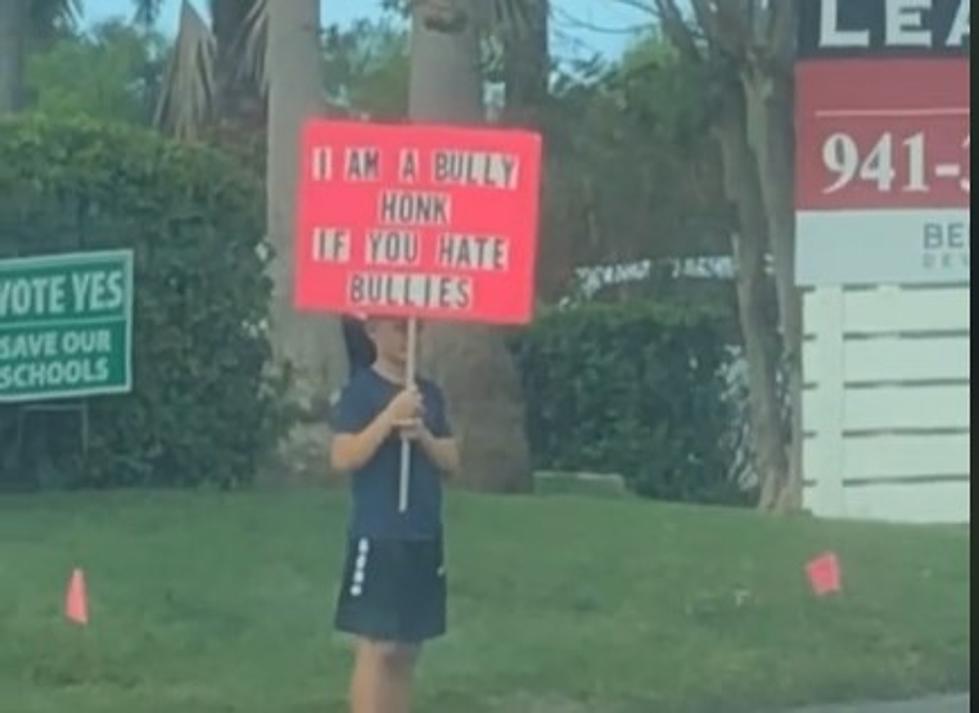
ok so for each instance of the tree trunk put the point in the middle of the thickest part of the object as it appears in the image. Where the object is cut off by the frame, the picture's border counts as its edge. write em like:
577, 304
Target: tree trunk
526, 67
755, 38
743, 187
446, 83
471, 362
311, 347
526, 77
13, 21
770, 102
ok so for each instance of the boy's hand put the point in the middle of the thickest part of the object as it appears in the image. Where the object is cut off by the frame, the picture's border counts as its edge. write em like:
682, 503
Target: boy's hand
412, 429
406, 406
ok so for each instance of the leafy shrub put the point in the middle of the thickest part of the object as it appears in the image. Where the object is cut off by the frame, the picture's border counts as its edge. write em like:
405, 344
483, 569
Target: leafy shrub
202, 409
633, 388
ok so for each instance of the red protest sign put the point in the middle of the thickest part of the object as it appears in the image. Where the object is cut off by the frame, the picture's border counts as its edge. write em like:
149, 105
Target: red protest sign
433, 222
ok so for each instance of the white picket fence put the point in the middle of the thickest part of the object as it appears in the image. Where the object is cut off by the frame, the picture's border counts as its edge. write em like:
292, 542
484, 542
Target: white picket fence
886, 406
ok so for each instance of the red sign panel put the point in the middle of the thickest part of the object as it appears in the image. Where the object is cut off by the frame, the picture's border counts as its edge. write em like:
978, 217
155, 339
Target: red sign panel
883, 166
434, 222
884, 133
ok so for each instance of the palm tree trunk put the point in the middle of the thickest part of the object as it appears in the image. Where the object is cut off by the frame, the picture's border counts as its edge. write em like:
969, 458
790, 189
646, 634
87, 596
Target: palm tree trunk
446, 82
13, 16
312, 346
471, 362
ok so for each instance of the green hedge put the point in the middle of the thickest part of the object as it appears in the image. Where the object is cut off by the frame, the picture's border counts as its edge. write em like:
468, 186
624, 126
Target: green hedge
201, 410
634, 388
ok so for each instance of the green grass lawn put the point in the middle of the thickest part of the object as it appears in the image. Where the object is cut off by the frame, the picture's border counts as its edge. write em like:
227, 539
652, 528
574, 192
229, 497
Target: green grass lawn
223, 604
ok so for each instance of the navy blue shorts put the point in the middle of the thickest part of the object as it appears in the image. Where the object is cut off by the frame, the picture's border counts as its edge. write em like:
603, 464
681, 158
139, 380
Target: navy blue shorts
393, 590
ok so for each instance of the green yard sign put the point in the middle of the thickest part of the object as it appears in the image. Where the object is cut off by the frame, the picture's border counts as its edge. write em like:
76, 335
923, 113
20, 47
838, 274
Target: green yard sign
66, 326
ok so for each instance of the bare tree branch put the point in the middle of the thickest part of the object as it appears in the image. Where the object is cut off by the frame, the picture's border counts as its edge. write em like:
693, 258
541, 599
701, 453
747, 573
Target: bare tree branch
785, 18
574, 21
730, 24
677, 30
641, 5
703, 10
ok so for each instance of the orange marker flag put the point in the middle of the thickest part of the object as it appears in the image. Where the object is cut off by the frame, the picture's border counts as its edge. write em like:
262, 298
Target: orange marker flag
824, 574
76, 599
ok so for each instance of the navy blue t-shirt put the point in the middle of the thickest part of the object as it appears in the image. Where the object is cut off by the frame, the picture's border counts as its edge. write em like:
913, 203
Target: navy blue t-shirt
376, 485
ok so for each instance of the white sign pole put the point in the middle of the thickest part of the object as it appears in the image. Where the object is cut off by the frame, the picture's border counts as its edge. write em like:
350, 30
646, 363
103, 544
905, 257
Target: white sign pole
405, 443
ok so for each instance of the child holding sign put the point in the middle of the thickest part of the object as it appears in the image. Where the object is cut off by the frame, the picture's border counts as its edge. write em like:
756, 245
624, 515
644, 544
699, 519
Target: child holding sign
393, 593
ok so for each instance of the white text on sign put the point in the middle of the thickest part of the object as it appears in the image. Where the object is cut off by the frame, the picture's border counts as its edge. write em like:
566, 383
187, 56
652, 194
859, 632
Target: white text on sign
409, 290
907, 23
362, 164
473, 168
477, 169
331, 245
52, 344
405, 208
842, 156
472, 252
393, 248
322, 160
93, 291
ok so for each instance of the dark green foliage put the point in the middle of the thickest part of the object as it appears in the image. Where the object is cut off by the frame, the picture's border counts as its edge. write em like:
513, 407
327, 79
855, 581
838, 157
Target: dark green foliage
202, 409
111, 73
636, 389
